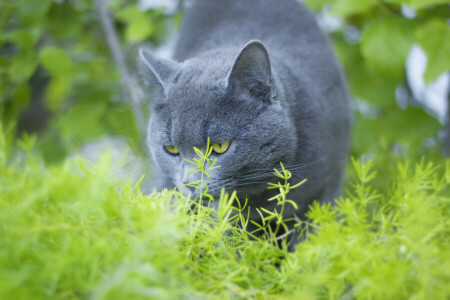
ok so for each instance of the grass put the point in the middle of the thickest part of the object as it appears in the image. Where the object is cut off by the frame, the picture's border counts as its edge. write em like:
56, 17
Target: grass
71, 231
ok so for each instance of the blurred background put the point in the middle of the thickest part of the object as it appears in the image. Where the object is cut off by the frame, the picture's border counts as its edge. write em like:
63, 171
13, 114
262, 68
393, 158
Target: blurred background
67, 74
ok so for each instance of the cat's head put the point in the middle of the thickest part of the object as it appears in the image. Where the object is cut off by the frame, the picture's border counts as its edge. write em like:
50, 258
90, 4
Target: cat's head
230, 97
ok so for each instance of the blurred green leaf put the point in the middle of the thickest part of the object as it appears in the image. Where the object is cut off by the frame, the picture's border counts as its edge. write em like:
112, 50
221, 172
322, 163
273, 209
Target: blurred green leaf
411, 125
139, 24
24, 38
57, 90
64, 21
83, 121
385, 44
365, 83
420, 4
377, 90
417, 4
316, 5
140, 29
351, 7
56, 61
365, 135
21, 96
434, 38
34, 8
120, 120
22, 67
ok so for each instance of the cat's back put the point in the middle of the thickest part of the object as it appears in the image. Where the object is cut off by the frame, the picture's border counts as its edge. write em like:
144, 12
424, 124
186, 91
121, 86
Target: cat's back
211, 24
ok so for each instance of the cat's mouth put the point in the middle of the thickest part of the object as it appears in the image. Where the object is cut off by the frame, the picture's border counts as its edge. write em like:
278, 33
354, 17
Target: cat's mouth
244, 190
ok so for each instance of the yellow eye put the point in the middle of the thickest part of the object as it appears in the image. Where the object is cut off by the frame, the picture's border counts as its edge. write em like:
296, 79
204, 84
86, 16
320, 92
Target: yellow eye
220, 148
172, 149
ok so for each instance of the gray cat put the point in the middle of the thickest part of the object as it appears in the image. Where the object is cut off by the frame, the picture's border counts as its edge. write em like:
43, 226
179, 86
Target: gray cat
262, 82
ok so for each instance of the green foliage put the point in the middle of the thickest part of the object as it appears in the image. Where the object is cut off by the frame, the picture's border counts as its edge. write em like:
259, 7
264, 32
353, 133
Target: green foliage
434, 38
373, 45
54, 54
385, 44
203, 165
69, 230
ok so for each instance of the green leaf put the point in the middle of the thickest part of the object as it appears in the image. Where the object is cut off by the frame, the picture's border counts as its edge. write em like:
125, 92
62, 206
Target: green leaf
24, 38
399, 124
367, 85
385, 44
22, 67
351, 7
57, 90
34, 8
64, 21
22, 96
140, 29
316, 5
365, 135
139, 24
420, 4
364, 82
434, 38
56, 61
120, 120
83, 121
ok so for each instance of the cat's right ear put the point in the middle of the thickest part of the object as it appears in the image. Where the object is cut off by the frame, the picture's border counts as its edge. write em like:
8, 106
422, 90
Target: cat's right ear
251, 72
154, 71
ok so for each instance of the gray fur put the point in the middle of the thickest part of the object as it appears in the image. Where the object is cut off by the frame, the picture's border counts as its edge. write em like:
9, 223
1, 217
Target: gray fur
260, 74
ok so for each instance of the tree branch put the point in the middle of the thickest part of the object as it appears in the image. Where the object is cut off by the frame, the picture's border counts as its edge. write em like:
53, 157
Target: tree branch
130, 86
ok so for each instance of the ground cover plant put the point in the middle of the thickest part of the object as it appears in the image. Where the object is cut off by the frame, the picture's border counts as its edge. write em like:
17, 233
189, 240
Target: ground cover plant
71, 230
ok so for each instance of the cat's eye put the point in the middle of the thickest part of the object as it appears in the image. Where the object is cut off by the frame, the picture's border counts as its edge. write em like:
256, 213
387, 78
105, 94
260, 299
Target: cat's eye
220, 147
172, 149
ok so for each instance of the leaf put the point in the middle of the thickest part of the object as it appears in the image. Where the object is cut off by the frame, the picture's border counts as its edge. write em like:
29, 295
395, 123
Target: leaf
34, 8
420, 4
374, 88
351, 7
434, 38
83, 121
57, 90
364, 83
56, 61
316, 5
140, 29
385, 44
24, 38
399, 124
139, 24
22, 67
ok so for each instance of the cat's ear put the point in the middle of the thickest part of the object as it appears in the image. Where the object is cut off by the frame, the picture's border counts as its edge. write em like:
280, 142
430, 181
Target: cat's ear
251, 72
155, 71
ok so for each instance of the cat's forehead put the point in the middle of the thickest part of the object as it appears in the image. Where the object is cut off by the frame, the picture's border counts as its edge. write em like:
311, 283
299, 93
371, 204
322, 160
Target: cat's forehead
197, 88
199, 72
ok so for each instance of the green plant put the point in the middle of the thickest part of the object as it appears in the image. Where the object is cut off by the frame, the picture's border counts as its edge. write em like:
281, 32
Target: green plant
57, 75
69, 230
203, 165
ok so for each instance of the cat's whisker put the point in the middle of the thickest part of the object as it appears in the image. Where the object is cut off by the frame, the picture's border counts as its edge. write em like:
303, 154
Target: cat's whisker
257, 173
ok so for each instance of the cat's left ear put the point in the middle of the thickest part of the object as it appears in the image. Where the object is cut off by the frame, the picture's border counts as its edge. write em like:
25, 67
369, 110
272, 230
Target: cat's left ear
155, 71
251, 72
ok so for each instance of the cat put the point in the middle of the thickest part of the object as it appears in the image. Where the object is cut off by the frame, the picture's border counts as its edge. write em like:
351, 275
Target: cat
261, 81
